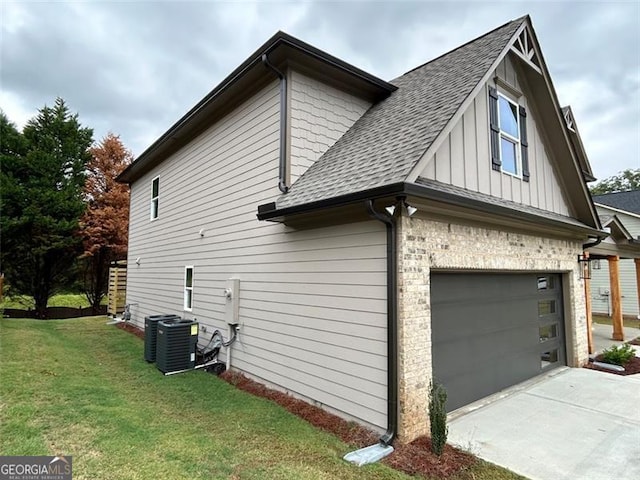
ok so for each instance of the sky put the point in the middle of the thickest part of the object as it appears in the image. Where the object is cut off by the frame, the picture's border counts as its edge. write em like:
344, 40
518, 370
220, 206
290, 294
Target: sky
134, 68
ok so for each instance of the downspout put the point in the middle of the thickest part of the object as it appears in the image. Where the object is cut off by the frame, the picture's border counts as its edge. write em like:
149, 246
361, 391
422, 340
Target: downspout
595, 243
392, 323
282, 169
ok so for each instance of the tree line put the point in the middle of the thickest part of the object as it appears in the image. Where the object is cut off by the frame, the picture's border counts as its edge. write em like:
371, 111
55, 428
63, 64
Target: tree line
63, 217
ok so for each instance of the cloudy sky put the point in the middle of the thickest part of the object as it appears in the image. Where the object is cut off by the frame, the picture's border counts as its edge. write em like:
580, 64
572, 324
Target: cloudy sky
136, 67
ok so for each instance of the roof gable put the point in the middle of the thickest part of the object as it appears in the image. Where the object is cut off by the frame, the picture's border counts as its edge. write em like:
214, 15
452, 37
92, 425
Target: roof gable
576, 141
395, 139
385, 144
618, 230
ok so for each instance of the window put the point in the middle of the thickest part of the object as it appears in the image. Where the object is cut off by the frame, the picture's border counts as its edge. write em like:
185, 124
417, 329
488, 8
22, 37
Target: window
508, 135
546, 283
548, 332
188, 288
546, 307
155, 193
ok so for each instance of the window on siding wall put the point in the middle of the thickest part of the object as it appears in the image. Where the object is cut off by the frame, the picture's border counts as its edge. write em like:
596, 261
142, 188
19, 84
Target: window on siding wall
188, 288
155, 194
508, 135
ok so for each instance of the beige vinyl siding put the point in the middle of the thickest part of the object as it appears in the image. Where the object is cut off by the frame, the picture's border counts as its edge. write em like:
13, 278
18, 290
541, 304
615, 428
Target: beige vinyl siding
319, 116
312, 302
600, 301
464, 157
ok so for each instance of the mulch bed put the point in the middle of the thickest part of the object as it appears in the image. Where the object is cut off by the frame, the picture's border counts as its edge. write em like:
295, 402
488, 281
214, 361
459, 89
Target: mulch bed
127, 327
414, 458
632, 367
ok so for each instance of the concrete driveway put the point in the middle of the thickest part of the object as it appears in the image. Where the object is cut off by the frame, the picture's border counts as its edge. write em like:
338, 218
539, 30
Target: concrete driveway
571, 424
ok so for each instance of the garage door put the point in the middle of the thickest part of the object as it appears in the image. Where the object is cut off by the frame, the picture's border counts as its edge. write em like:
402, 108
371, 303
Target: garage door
491, 331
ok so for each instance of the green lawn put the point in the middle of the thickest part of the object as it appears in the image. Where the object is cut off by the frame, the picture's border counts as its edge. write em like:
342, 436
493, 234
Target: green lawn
73, 300
80, 387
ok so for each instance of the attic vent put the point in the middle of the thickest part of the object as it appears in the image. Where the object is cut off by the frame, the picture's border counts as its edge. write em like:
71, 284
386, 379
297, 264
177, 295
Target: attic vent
524, 48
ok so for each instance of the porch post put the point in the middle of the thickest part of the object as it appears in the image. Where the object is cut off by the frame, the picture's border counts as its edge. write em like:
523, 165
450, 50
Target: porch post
637, 262
616, 298
587, 300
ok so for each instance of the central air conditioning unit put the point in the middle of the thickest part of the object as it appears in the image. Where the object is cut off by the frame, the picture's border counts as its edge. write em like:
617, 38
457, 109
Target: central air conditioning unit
176, 345
151, 334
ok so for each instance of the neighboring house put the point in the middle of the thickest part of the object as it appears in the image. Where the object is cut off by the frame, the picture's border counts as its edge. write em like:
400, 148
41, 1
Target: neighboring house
621, 213
384, 234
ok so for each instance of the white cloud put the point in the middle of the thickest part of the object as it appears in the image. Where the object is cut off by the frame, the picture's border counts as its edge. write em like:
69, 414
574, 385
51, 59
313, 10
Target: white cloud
135, 68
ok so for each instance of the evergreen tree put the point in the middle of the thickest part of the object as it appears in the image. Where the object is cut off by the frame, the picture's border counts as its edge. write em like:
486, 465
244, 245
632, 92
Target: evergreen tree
43, 174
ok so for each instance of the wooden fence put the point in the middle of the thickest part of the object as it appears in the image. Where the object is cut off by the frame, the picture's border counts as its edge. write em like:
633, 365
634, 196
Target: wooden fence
117, 288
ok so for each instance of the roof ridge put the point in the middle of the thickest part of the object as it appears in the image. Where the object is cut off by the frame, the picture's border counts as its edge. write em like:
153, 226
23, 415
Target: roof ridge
510, 22
615, 193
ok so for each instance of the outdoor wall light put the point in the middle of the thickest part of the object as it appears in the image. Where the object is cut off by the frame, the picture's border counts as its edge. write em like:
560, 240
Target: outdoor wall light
410, 209
585, 266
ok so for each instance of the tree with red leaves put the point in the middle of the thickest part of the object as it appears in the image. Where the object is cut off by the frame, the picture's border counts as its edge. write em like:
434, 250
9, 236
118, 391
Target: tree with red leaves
104, 227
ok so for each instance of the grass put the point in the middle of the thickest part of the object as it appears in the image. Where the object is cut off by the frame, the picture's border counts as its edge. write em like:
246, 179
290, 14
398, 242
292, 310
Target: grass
628, 322
80, 387
73, 300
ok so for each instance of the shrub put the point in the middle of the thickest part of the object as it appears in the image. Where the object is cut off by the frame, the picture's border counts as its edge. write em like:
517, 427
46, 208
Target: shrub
618, 355
438, 417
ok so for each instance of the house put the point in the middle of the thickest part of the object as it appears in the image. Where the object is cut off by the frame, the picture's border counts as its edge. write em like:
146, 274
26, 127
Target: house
378, 235
619, 212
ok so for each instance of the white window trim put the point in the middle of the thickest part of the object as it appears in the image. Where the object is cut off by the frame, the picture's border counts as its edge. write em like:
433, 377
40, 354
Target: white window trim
187, 289
155, 201
510, 138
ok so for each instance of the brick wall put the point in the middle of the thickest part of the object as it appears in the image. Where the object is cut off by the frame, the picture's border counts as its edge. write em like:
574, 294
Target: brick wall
424, 245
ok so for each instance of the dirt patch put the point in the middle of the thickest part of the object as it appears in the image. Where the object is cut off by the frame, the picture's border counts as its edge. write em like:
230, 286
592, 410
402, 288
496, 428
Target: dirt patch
635, 341
631, 368
414, 458
131, 329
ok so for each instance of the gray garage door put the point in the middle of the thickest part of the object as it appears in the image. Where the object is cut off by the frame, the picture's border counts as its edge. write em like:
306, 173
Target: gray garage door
491, 331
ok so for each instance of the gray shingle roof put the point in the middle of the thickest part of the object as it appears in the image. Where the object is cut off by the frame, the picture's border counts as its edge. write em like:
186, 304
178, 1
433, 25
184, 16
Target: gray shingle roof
499, 202
628, 201
384, 145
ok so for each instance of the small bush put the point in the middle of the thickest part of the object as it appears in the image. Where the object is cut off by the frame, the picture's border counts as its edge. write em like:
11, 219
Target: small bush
438, 417
618, 355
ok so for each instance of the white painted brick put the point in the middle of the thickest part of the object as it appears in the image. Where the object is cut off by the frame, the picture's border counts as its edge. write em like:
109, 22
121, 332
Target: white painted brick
425, 245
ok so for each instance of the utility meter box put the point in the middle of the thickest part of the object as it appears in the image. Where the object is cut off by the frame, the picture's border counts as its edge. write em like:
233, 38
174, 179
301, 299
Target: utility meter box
176, 345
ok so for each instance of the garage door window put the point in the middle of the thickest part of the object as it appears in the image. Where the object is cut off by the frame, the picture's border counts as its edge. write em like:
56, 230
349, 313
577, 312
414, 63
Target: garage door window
548, 332
549, 358
545, 283
546, 307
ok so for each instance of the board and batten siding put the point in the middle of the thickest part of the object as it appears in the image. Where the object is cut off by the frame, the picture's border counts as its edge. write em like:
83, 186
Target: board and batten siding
600, 288
312, 302
464, 157
319, 116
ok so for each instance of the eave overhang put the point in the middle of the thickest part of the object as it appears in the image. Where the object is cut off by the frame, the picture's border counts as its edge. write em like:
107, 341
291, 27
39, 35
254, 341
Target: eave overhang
270, 211
283, 50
